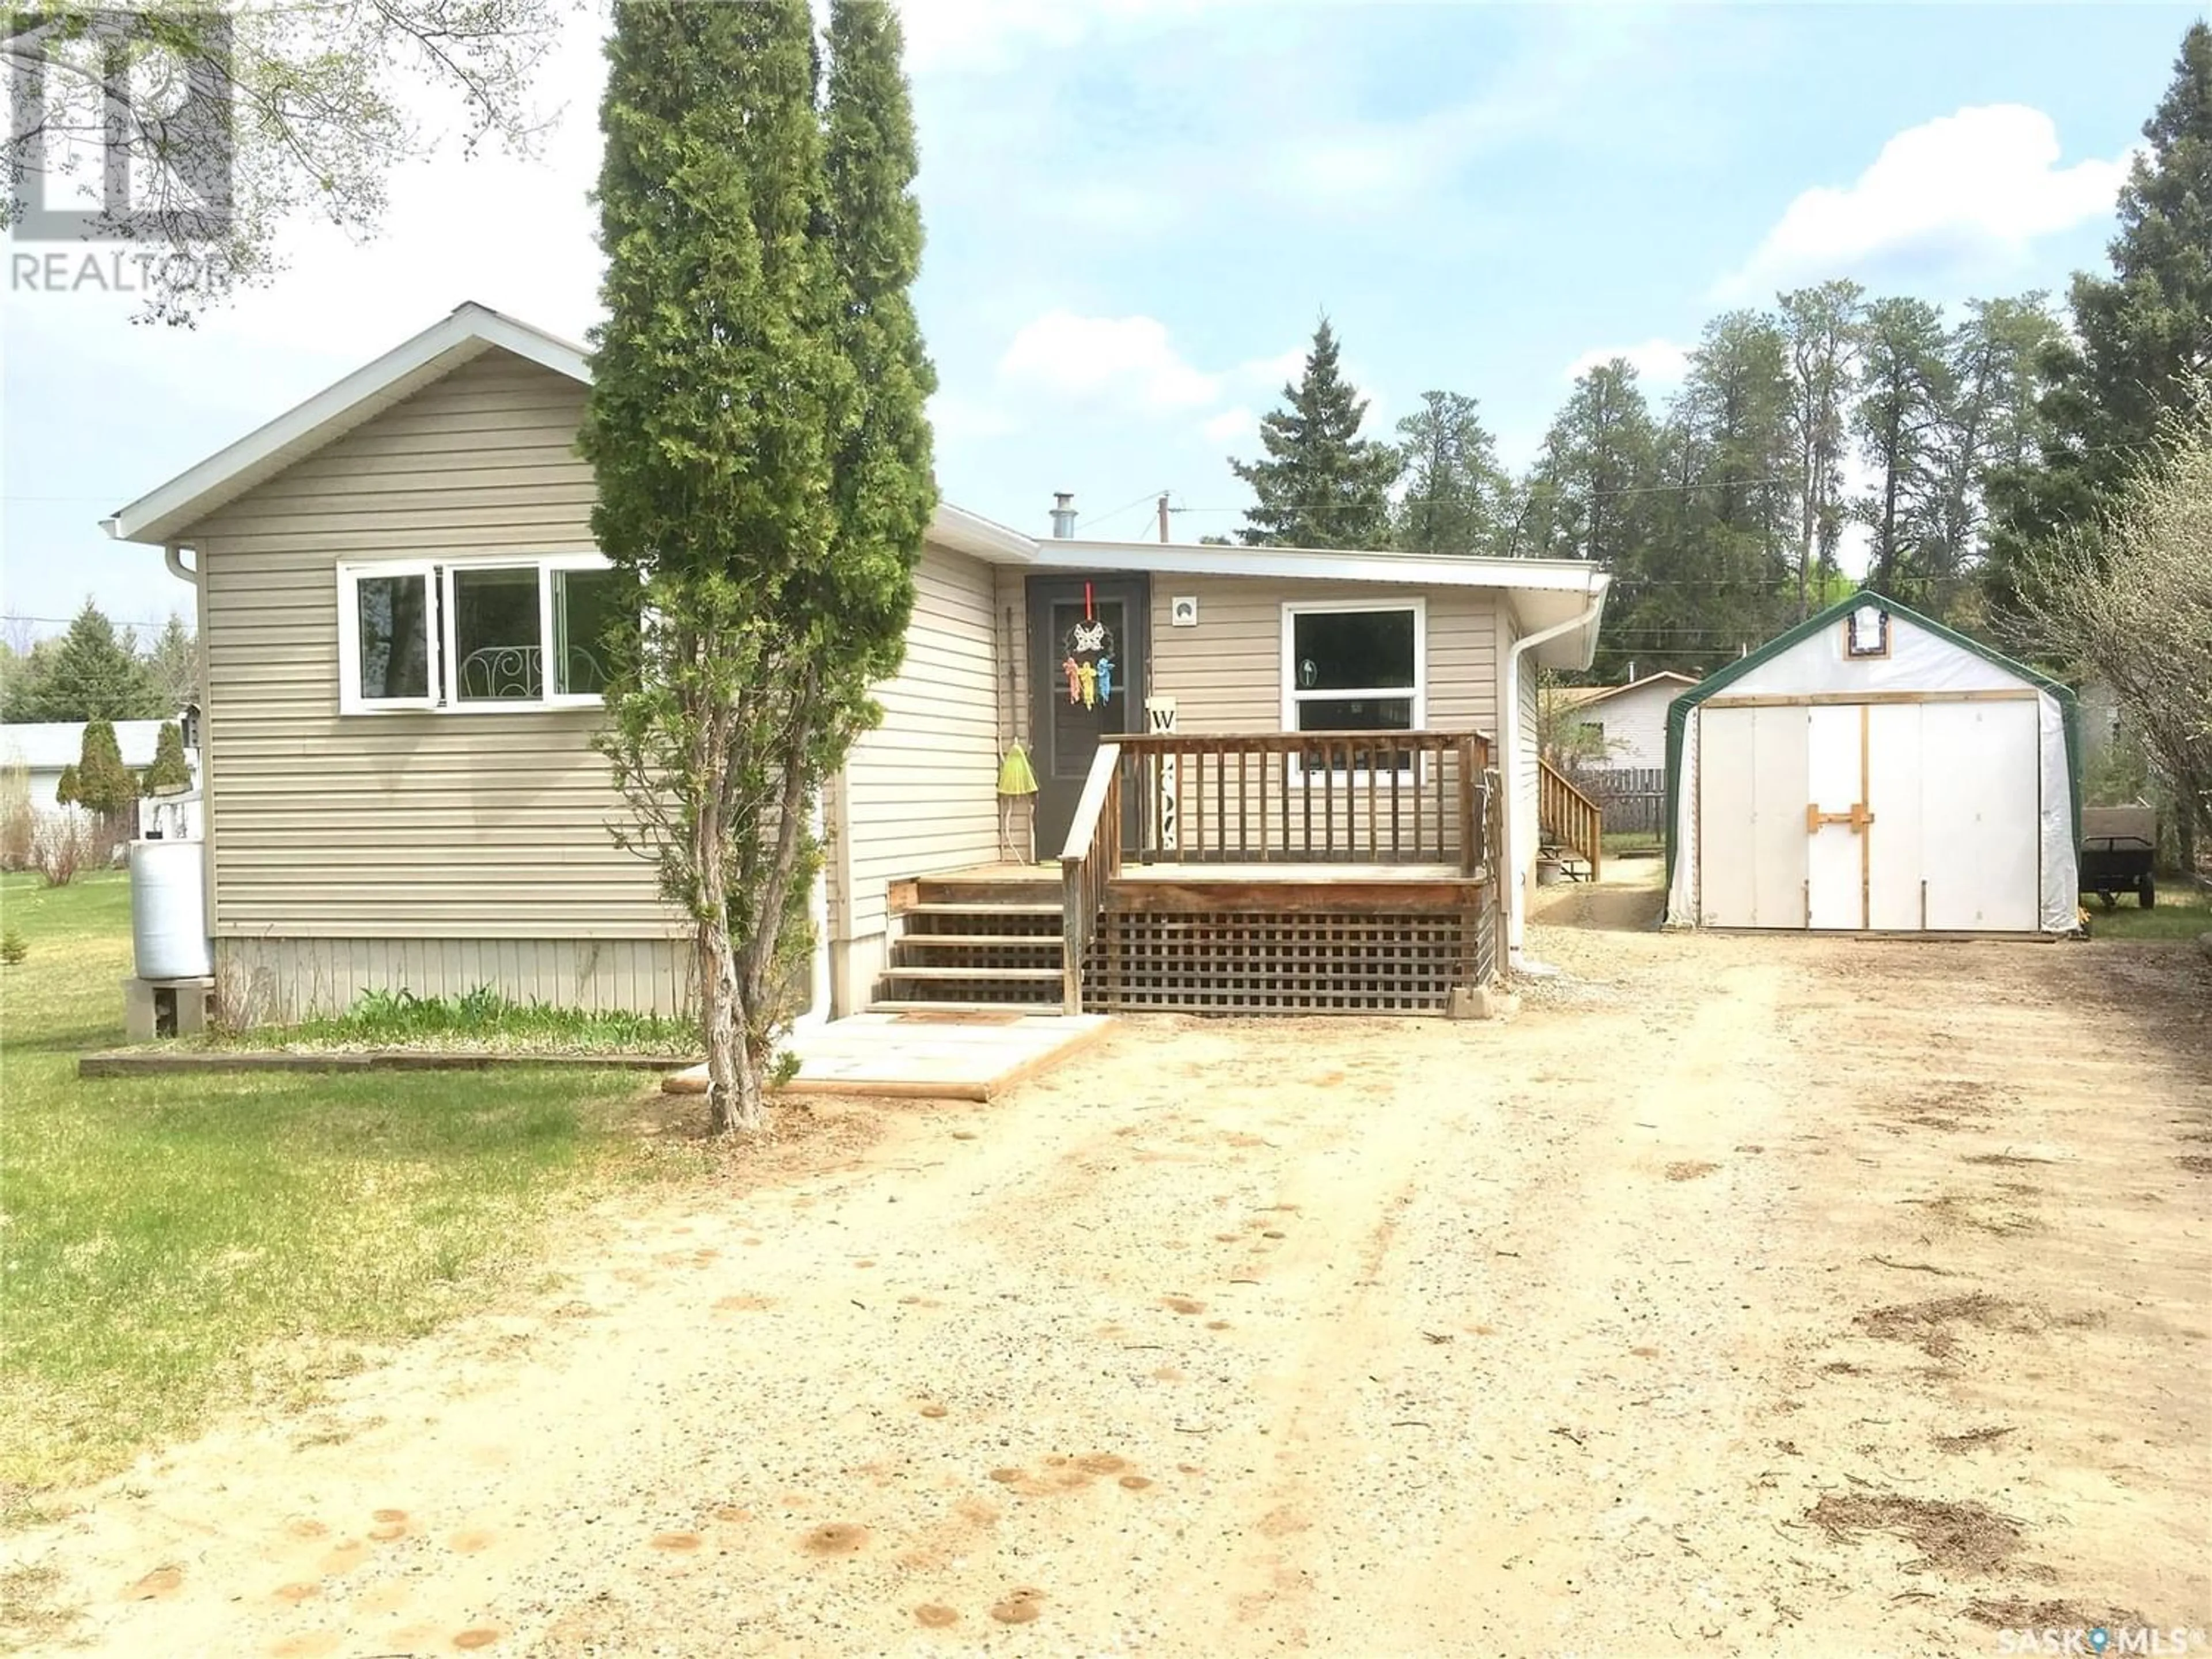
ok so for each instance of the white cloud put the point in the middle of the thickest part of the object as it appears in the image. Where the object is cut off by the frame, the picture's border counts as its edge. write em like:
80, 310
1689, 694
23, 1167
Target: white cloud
1231, 426
1126, 360
1974, 188
1660, 363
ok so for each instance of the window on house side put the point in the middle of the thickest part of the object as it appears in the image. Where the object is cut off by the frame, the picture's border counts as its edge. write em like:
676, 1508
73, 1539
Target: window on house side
477, 634
392, 623
498, 651
586, 606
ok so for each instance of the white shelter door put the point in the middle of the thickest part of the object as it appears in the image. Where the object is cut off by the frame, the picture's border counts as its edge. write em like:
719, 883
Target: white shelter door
1897, 794
1981, 798
1751, 817
1837, 820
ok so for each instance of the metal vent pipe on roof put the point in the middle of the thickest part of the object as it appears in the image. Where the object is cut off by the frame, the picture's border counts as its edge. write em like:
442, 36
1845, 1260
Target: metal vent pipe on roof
1063, 515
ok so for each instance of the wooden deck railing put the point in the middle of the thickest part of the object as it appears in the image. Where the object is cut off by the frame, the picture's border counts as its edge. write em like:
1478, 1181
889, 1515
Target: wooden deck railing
1091, 861
1573, 819
1287, 797
1308, 798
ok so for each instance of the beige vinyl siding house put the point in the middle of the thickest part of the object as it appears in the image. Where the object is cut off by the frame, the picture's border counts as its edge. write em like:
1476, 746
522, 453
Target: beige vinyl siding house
402, 790
920, 792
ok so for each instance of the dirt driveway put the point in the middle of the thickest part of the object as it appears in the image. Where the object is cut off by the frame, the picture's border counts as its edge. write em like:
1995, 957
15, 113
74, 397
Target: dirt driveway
1744, 1295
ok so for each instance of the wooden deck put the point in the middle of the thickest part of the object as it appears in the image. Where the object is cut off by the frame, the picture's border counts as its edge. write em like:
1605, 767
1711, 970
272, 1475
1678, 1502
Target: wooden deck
1285, 872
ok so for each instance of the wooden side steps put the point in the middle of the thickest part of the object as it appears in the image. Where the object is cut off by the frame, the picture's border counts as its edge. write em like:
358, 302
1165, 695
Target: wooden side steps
973, 947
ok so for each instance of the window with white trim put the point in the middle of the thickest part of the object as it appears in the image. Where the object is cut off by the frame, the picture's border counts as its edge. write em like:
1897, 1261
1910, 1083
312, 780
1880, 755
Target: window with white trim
476, 635
1354, 665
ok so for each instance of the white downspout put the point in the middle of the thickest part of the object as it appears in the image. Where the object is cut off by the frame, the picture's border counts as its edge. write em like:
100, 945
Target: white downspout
1508, 742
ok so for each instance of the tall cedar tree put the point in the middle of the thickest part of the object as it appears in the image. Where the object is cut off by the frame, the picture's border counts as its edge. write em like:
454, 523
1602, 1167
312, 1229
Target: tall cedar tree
2140, 335
1321, 484
104, 785
92, 673
756, 425
170, 774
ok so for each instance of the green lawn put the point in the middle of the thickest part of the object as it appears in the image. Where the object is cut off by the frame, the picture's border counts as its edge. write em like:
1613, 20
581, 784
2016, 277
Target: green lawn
175, 1244
2182, 912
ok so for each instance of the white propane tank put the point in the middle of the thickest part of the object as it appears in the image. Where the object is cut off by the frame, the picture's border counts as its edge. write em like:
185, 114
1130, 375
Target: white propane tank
168, 911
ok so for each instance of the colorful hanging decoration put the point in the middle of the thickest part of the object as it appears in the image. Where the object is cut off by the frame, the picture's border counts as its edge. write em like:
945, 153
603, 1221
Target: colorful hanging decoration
1089, 663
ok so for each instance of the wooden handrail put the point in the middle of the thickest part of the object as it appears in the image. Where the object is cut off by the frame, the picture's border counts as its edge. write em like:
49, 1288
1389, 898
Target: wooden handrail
1088, 863
1577, 821
1395, 796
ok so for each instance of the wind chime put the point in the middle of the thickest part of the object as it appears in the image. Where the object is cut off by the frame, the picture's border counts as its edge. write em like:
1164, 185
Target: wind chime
1088, 662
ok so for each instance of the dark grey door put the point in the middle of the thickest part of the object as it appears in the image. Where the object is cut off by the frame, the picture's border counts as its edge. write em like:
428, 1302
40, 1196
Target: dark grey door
1087, 656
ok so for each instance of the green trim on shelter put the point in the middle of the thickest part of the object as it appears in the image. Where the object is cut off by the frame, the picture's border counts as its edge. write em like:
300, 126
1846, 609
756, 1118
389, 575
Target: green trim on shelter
1678, 711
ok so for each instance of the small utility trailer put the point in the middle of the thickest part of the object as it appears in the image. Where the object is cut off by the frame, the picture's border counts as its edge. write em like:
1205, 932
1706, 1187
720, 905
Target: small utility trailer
2118, 843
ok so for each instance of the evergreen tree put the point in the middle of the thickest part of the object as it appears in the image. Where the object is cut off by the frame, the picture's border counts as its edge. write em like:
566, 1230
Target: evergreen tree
1458, 498
1321, 484
1820, 325
1989, 422
882, 484
754, 426
1904, 389
2139, 336
170, 774
173, 661
65, 788
104, 785
92, 673
1588, 487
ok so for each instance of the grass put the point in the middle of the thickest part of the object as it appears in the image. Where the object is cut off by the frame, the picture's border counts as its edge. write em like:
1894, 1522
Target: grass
173, 1245
2182, 912
481, 1019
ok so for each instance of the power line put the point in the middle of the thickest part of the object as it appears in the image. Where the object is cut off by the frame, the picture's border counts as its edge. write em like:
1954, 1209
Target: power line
1145, 500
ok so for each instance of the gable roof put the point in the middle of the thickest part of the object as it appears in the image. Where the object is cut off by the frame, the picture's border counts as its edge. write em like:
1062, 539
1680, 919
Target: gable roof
1581, 696
1543, 592
1721, 679
470, 330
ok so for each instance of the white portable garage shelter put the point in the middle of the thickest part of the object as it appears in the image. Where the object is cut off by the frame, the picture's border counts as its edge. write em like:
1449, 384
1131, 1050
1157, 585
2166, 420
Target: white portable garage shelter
1871, 770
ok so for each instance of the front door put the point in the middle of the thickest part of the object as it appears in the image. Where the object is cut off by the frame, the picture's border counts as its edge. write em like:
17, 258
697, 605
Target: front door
1087, 658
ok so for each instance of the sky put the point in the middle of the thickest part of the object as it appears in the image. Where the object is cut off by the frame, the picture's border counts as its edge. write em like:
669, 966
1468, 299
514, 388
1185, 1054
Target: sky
1138, 209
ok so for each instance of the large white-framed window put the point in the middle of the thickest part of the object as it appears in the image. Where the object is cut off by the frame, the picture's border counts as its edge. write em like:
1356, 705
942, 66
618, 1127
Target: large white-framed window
498, 634
1355, 665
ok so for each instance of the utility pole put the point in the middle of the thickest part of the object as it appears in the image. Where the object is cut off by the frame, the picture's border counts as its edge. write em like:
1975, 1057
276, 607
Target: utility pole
1163, 516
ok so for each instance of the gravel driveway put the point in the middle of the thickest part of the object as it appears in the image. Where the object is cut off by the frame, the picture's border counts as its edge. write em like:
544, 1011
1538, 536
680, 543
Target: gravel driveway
1748, 1295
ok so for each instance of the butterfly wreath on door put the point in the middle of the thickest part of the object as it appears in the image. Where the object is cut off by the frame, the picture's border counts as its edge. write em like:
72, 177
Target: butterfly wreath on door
1088, 662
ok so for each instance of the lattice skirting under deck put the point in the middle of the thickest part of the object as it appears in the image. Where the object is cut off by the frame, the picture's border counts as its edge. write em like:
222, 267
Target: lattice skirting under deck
1291, 961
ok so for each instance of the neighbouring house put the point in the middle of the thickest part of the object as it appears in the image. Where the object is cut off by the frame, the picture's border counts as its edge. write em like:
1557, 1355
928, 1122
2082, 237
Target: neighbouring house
44, 748
1268, 778
1871, 770
1623, 726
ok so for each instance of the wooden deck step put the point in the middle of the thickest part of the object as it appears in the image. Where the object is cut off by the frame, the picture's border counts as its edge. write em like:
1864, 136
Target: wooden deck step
957, 1006
941, 908
972, 974
988, 941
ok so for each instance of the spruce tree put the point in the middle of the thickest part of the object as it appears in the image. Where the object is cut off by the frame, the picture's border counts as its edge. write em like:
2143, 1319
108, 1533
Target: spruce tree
92, 673
755, 426
2140, 335
1321, 484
